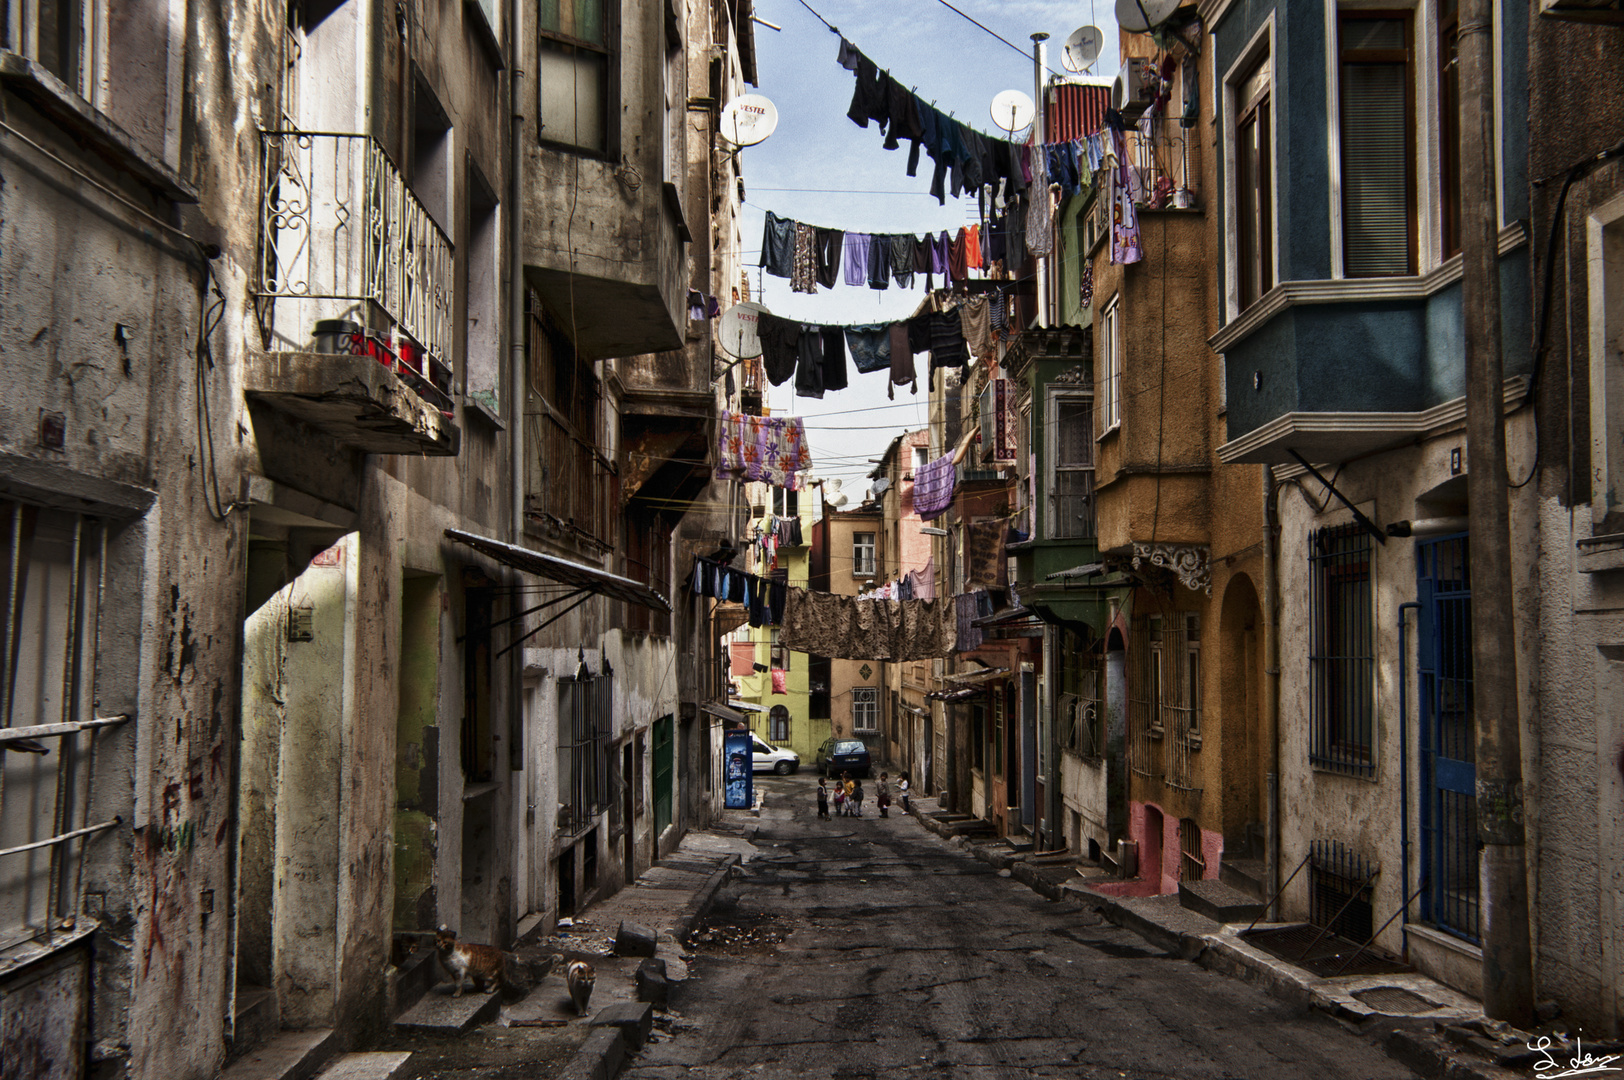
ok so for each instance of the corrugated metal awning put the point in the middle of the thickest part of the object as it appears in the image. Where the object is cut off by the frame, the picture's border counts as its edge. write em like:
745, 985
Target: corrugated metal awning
976, 678
950, 696
582, 577
722, 712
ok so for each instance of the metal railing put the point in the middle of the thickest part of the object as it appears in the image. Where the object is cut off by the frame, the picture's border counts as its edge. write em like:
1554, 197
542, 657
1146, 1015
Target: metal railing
339, 223
1161, 160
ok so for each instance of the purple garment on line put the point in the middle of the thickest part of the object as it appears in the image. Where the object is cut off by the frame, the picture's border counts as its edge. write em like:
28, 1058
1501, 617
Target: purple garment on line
933, 488
939, 247
857, 245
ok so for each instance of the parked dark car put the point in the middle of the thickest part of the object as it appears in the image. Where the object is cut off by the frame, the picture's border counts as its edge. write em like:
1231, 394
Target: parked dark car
836, 756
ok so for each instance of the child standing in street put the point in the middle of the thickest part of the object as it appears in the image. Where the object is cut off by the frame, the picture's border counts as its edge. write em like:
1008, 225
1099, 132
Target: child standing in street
840, 799
857, 799
902, 791
823, 798
882, 794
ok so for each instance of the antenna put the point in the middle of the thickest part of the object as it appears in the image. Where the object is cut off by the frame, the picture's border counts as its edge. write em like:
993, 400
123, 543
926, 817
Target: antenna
1137, 16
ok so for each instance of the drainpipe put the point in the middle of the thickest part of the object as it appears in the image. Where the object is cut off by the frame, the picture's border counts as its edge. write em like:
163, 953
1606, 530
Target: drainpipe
519, 390
1271, 690
1041, 198
1404, 768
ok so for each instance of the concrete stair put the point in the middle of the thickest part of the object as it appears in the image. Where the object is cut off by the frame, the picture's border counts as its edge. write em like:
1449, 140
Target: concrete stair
288, 1055
442, 1014
1218, 902
378, 1065
1244, 875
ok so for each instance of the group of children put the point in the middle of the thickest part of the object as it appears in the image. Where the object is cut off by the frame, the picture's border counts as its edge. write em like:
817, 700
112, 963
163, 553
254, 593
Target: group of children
848, 795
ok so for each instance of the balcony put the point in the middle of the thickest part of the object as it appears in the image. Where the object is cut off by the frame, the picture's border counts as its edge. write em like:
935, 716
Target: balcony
345, 244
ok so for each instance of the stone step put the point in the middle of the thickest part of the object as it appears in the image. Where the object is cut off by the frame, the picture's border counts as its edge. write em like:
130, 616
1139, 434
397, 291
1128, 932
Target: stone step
441, 1013
377, 1065
287, 1055
1218, 902
1245, 875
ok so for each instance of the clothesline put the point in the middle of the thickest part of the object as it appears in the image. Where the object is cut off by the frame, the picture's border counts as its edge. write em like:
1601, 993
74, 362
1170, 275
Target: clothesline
812, 255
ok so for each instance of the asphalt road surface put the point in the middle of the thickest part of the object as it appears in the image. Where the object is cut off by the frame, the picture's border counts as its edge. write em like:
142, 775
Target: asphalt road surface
857, 948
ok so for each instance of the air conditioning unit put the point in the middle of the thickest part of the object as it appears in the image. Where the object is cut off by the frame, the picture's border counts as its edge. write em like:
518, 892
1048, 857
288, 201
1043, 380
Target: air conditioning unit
997, 422
1136, 87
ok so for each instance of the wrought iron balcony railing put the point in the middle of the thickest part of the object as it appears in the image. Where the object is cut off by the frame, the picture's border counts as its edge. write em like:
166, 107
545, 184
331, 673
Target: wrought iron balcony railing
342, 235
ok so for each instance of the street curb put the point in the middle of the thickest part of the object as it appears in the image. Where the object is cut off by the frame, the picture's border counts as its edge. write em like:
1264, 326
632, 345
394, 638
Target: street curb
606, 1051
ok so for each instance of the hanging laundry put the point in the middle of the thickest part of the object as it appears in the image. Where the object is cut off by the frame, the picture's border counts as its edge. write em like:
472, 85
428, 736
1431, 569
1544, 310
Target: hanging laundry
780, 681
809, 363
947, 346
780, 346
826, 245
834, 357
934, 483
1124, 217
977, 327
870, 346
902, 260
1039, 230
984, 559
857, 248
778, 246
803, 264
842, 627
879, 262
768, 448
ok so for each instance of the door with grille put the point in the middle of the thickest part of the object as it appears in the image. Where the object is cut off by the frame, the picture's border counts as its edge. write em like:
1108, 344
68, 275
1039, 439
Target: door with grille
1448, 737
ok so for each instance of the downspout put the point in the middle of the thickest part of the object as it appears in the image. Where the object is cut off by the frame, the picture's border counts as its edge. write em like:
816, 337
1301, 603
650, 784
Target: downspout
1041, 198
519, 391
1271, 690
1404, 769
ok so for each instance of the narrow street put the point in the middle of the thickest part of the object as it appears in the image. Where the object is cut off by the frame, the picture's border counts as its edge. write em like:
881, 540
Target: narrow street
870, 947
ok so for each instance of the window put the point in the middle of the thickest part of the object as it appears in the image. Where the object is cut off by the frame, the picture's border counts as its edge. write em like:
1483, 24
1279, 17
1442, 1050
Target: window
1449, 125
59, 35
574, 79
54, 562
1110, 388
1378, 153
862, 554
482, 353
1071, 421
584, 727
978, 734
1342, 664
1254, 206
431, 152
1192, 671
819, 672
921, 458
865, 710
778, 724
786, 503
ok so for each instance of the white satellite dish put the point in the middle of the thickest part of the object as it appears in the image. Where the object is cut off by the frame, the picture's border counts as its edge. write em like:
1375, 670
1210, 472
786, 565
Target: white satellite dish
1138, 16
1012, 110
880, 486
748, 119
736, 332
1082, 48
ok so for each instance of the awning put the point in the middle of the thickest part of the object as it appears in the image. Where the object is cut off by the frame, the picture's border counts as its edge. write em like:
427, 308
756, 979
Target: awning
582, 577
725, 714
1085, 570
950, 696
747, 706
976, 678
729, 616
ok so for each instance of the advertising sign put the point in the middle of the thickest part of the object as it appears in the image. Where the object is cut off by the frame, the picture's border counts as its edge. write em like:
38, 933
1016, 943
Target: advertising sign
737, 762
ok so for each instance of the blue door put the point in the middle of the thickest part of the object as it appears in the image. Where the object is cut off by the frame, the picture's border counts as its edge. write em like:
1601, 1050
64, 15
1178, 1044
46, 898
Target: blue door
1448, 737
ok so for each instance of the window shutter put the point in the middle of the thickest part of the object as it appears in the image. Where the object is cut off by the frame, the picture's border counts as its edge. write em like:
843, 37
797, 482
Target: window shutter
1376, 182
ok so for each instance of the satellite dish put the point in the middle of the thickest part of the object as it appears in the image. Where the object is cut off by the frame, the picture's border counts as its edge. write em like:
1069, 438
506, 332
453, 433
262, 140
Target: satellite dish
879, 486
1140, 15
748, 119
1082, 48
833, 495
1012, 110
737, 331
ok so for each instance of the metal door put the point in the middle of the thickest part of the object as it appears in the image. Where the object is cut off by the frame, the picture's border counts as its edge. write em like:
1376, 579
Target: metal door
1448, 737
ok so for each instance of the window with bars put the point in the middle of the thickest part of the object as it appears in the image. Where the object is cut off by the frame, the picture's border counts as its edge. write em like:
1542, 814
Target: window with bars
48, 723
584, 727
1342, 650
574, 81
1378, 143
778, 724
1080, 708
1340, 897
865, 710
1164, 694
1254, 201
1072, 455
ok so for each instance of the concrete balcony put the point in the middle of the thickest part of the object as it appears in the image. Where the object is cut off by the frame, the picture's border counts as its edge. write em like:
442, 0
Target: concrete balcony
363, 404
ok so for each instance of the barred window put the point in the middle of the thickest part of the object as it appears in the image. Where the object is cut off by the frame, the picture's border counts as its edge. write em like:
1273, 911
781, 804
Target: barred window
1072, 450
865, 710
584, 725
1342, 657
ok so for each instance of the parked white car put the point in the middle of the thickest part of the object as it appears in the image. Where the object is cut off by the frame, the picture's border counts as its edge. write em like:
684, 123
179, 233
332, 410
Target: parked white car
768, 758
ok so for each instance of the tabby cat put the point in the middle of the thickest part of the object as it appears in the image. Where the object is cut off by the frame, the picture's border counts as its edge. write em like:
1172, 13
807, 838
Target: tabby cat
580, 978
463, 960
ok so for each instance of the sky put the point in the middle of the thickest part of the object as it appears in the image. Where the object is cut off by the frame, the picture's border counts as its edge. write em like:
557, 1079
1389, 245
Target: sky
820, 168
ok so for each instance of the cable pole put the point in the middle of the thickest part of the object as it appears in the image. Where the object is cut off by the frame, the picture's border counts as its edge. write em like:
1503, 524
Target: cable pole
1508, 990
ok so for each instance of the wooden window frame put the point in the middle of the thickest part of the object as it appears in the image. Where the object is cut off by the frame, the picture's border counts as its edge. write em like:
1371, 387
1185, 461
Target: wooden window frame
608, 102
1448, 129
1254, 190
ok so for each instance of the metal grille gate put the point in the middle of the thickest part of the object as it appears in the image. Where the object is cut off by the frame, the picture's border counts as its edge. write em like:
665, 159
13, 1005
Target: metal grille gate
1448, 735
